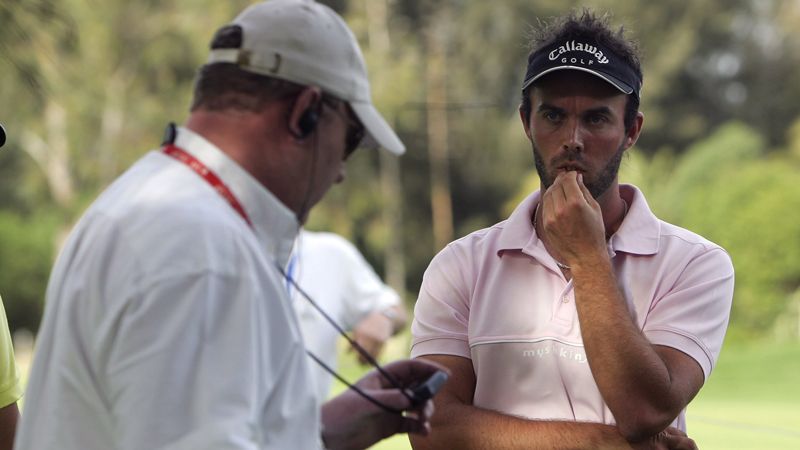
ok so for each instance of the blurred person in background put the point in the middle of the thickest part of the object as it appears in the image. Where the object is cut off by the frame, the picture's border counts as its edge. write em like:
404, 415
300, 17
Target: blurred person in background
331, 270
167, 323
581, 321
10, 387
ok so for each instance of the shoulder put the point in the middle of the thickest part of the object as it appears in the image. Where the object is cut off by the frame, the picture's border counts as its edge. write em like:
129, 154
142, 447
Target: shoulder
327, 248
681, 237
461, 259
513, 233
681, 244
323, 240
164, 218
485, 240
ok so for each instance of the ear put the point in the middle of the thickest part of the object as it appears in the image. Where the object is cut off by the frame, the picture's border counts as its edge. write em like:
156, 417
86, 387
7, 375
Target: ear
526, 124
308, 101
633, 133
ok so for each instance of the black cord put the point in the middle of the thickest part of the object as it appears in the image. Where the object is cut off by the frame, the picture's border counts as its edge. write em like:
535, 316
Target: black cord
353, 386
306, 206
352, 343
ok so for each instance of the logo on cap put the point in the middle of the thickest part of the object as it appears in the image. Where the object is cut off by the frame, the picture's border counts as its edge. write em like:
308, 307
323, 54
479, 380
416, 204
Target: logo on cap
572, 46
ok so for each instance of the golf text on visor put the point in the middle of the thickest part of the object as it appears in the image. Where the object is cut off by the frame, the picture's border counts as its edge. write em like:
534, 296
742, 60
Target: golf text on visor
585, 55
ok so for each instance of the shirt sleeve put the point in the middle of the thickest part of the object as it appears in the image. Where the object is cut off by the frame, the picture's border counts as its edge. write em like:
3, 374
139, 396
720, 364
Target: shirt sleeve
364, 291
693, 316
441, 315
10, 389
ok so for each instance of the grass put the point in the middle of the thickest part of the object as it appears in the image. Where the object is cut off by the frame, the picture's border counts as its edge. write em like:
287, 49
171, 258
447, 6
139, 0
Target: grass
751, 400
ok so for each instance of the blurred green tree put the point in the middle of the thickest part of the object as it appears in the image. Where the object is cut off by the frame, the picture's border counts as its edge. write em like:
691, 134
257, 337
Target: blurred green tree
89, 86
730, 189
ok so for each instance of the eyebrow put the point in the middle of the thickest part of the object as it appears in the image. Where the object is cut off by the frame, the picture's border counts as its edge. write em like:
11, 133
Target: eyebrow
549, 107
599, 110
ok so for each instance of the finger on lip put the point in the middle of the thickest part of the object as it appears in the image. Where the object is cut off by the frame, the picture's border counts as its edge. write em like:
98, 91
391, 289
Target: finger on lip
568, 174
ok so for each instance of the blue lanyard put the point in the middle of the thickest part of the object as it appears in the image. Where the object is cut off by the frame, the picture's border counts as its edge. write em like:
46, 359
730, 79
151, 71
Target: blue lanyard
289, 277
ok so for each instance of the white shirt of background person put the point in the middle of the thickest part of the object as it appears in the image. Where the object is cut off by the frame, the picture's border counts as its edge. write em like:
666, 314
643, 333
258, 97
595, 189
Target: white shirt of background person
340, 280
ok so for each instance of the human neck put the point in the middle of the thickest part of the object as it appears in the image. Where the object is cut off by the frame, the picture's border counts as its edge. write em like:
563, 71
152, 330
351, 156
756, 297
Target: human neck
235, 133
251, 141
614, 208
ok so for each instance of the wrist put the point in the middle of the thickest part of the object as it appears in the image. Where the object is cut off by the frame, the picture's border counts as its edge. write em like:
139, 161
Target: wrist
390, 313
393, 317
587, 264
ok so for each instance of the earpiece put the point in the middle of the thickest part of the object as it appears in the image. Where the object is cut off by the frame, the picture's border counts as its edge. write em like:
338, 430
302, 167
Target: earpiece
2, 135
307, 123
170, 133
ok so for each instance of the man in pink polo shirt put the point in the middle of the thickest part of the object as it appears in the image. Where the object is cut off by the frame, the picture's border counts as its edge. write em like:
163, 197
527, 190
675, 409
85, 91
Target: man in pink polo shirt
581, 321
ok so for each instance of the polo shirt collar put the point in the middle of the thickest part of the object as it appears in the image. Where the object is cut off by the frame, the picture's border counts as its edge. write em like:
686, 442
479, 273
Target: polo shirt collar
638, 234
640, 230
274, 225
517, 231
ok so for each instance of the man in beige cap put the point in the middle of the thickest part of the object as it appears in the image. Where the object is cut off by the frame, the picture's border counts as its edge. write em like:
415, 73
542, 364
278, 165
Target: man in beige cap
167, 323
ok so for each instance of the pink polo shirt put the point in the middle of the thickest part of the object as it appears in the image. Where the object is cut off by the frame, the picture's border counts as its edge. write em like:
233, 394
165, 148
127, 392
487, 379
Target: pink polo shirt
497, 297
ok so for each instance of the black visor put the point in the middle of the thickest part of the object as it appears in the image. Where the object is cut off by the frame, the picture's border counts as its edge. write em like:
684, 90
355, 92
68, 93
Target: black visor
587, 56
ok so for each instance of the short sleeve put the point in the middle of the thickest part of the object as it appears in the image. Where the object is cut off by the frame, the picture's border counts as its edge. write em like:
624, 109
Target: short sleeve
10, 388
364, 291
441, 315
693, 316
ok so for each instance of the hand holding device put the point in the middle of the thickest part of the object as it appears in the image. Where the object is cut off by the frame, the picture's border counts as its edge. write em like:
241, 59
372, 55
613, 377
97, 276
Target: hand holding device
426, 390
351, 421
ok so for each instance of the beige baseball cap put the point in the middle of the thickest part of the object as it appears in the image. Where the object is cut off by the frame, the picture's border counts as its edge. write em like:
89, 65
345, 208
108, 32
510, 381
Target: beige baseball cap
308, 43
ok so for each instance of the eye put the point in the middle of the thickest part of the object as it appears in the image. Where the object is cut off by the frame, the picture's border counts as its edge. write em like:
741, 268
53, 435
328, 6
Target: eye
552, 116
596, 119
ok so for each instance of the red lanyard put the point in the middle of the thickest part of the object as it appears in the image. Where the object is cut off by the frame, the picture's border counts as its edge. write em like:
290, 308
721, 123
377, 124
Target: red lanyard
210, 177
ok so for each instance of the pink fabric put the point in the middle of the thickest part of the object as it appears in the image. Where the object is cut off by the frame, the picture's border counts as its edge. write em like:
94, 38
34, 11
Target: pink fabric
497, 297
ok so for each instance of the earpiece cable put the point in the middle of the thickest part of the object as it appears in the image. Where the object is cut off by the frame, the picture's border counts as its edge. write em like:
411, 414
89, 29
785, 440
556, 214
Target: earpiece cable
350, 340
353, 386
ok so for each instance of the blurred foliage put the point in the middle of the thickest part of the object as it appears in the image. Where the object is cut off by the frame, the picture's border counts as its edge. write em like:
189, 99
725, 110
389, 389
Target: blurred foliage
730, 190
26, 252
87, 86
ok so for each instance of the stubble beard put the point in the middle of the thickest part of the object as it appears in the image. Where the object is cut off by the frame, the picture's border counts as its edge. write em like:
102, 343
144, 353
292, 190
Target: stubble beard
597, 187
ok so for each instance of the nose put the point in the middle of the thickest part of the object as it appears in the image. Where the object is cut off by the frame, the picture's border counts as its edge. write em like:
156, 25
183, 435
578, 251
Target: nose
573, 141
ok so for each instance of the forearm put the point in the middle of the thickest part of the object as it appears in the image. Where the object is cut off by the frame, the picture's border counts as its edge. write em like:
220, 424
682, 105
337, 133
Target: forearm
398, 317
467, 427
633, 379
9, 415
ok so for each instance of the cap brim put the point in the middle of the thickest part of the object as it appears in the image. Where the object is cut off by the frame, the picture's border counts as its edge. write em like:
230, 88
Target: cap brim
379, 133
612, 80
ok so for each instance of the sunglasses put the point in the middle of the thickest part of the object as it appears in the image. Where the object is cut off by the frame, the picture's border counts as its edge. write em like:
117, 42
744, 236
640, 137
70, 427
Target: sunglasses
355, 131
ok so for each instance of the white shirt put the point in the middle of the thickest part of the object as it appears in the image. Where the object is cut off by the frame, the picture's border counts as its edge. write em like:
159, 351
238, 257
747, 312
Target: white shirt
337, 277
498, 298
167, 325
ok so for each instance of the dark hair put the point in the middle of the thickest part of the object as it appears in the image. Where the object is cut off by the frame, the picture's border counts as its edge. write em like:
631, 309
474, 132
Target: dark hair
221, 86
587, 26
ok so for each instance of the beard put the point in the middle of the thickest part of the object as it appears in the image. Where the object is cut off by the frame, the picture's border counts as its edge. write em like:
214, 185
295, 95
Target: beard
597, 187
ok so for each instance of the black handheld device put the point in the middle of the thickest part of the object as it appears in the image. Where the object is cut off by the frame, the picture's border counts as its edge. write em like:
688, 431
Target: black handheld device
423, 392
